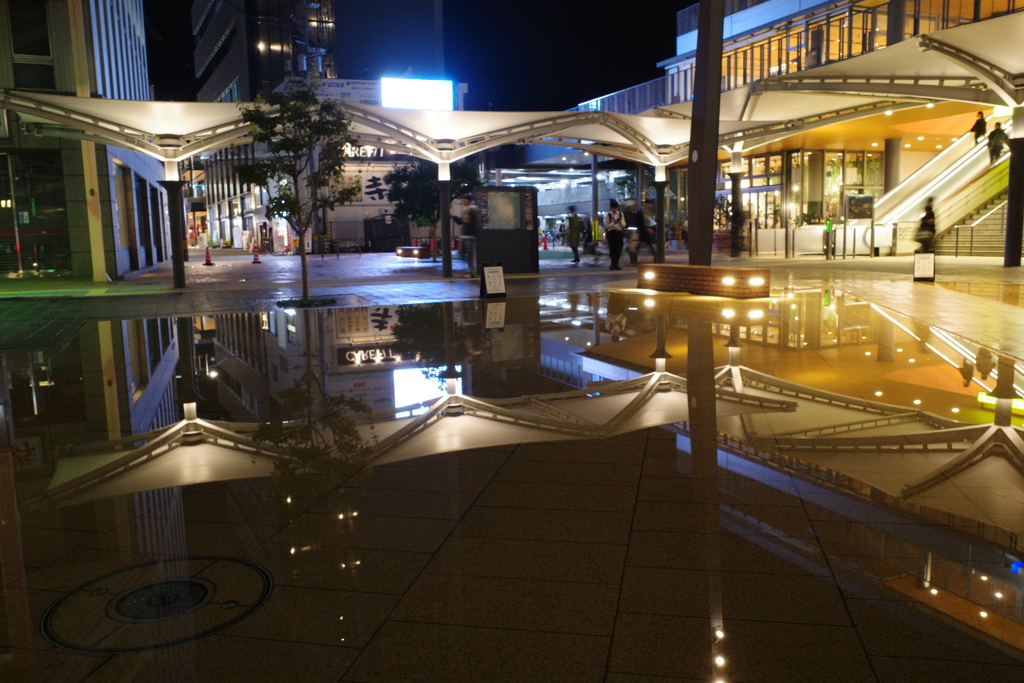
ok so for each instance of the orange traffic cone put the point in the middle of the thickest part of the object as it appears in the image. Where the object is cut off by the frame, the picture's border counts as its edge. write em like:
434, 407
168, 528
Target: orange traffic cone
208, 261
545, 248
256, 254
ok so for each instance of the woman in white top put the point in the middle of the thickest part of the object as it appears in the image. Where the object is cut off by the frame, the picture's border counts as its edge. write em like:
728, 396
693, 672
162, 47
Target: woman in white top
614, 232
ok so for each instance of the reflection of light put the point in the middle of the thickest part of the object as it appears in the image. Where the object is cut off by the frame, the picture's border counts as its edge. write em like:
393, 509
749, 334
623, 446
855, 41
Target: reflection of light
878, 393
983, 614
728, 280
649, 275
756, 281
648, 302
957, 410
910, 360
288, 499
984, 578
867, 353
755, 315
720, 660
917, 401
934, 592
728, 313
999, 595
719, 633
577, 323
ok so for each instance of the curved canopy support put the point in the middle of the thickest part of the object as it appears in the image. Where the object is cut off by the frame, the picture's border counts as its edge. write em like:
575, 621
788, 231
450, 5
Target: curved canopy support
998, 80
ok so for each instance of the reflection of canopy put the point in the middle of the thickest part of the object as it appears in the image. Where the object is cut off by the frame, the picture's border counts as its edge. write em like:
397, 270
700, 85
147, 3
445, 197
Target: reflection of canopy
973, 471
968, 63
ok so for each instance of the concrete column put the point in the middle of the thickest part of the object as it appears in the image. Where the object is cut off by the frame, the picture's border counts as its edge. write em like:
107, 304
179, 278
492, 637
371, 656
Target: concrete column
176, 211
891, 177
497, 177
595, 210
1015, 193
703, 166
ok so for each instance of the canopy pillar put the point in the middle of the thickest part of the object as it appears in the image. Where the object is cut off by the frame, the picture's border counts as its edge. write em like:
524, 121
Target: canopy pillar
176, 211
444, 189
661, 217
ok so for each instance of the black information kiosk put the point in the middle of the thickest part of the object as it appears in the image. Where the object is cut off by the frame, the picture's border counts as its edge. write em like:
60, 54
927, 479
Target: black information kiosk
509, 224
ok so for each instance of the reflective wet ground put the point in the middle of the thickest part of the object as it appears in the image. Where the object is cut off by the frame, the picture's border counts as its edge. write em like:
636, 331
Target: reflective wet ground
812, 487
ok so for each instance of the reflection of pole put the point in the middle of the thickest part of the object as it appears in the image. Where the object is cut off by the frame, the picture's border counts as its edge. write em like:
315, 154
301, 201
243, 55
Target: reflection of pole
1004, 392
186, 360
444, 189
660, 355
449, 374
14, 211
12, 561
700, 389
594, 208
594, 301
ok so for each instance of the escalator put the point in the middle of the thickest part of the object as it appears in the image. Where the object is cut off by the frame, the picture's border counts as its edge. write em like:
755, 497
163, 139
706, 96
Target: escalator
964, 183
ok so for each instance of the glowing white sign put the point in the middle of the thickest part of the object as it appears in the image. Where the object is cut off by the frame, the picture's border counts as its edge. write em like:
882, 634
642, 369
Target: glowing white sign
417, 93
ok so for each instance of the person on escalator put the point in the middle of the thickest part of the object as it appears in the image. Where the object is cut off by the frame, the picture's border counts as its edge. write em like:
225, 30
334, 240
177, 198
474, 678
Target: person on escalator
980, 128
996, 140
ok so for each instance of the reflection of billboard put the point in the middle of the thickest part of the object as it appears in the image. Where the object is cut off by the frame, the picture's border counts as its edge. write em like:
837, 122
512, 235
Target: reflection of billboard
504, 211
417, 93
416, 385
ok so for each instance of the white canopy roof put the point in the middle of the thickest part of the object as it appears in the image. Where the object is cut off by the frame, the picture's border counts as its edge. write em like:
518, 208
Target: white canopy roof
969, 63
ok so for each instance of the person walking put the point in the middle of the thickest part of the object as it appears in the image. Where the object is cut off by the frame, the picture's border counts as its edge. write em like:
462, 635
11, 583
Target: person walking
926, 231
648, 232
996, 140
575, 232
614, 232
980, 128
470, 221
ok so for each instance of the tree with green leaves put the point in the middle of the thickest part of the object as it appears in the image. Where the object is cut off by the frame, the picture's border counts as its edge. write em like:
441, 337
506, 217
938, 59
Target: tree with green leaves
414, 194
300, 159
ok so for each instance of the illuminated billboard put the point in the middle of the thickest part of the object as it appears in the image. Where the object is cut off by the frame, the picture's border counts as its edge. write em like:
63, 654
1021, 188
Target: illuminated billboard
417, 93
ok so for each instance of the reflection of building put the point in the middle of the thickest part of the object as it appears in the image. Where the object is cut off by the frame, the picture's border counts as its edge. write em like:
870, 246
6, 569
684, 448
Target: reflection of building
111, 380
68, 204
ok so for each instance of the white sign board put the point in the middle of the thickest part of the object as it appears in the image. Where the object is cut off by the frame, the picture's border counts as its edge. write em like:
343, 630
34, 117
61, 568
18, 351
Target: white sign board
924, 266
494, 280
495, 316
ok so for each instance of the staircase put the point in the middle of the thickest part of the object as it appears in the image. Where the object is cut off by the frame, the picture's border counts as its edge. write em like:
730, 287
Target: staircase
983, 233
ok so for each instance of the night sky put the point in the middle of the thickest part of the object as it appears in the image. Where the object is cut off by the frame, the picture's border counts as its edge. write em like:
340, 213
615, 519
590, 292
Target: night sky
528, 55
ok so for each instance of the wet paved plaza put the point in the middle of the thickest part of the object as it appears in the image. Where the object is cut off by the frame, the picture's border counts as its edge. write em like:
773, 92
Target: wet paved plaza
789, 494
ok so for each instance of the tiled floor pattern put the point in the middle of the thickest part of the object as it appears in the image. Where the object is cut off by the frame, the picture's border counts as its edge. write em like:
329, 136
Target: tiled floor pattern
587, 561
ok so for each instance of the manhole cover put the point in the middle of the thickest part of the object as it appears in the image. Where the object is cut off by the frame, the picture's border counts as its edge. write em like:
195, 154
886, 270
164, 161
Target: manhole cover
162, 599
156, 604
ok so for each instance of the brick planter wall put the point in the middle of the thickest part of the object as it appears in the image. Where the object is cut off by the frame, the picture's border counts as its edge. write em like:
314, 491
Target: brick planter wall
707, 280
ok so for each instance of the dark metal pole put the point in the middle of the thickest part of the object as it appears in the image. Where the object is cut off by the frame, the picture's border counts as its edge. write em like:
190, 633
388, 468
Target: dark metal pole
444, 189
1015, 202
703, 166
176, 213
661, 187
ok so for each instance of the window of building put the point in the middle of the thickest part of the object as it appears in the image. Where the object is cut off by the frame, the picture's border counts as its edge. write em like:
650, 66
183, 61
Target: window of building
30, 45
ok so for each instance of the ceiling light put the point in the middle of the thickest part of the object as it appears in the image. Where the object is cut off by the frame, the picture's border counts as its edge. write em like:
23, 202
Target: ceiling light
917, 401
920, 137
648, 302
957, 410
867, 353
984, 578
888, 113
874, 144
934, 592
907, 145
984, 615
878, 393
930, 105
720, 660
910, 360
719, 633
728, 313
755, 315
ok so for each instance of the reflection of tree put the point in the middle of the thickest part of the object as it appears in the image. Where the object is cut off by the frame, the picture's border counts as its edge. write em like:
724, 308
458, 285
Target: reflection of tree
428, 333
318, 431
